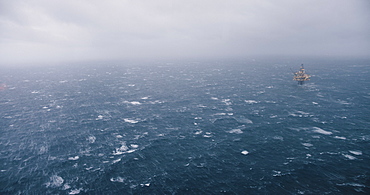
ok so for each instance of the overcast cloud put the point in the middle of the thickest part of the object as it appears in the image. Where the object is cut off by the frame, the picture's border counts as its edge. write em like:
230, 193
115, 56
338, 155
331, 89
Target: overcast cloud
34, 31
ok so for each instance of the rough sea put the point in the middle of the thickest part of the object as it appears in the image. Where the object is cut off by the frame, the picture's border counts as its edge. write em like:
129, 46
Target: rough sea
208, 127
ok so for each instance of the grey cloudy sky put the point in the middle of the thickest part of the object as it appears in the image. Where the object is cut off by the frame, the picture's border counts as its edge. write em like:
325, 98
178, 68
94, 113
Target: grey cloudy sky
70, 30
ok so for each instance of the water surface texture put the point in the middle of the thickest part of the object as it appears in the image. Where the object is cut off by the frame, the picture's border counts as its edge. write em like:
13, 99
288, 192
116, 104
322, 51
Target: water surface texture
237, 127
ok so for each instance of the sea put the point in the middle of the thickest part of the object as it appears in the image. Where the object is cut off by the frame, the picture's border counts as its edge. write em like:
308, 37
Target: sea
186, 127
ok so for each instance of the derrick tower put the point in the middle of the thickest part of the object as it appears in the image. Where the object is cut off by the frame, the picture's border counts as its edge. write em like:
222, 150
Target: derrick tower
301, 76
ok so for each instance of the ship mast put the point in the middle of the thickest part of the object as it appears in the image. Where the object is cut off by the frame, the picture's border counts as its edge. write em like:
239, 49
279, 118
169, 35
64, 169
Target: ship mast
301, 76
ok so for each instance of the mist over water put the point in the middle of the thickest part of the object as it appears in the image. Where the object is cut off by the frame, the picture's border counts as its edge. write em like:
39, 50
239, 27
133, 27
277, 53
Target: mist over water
206, 127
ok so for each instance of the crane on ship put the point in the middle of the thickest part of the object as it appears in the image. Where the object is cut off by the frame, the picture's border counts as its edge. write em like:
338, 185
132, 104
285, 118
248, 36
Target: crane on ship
301, 76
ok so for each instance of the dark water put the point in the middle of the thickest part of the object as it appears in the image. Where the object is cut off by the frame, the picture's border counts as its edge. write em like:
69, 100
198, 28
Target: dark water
236, 127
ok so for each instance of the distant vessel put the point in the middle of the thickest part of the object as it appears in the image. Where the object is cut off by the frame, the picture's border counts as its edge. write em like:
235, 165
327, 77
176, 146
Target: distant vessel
301, 76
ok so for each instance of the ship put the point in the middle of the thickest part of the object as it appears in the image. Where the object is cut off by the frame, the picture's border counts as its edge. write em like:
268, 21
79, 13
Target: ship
301, 76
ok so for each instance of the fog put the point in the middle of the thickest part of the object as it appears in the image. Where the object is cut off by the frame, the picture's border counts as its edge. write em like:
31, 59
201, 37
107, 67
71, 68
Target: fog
43, 31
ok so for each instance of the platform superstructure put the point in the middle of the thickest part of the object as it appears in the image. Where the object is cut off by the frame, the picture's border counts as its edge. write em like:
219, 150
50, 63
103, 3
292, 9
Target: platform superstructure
301, 76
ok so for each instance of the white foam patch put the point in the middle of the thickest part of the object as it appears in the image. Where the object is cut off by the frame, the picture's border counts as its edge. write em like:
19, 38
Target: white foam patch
75, 191
134, 146
66, 187
245, 152
227, 102
100, 117
135, 103
121, 150
352, 184
198, 132
132, 103
339, 137
130, 120
321, 131
350, 157
74, 158
236, 131
208, 135
117, 179
243, 120
251, 101
116, 161
307, 144
55, 181
91, 139
356, 152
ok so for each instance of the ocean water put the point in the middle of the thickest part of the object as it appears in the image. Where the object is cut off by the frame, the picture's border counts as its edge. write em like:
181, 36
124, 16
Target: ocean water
227, 127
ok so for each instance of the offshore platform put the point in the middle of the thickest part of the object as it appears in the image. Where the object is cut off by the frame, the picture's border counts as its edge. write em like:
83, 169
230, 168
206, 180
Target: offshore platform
301, 76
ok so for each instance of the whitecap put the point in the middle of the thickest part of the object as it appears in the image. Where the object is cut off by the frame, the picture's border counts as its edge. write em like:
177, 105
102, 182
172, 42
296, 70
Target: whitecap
198, 132
356, 152
351, 184
227, 102
214, 98
315, 103
236, 131
75, 191
115, 161
99, 117
339, 137
66, 187
130, 120
131, 151
244, 152
74, 158
132, 103
91, 139
145, 98
134, 146
220, 114
117, 179
350, 157
307, 144
243, 120
135, 103
207, 135
121, 150
250, 101
55, 181
276, 173
319, 130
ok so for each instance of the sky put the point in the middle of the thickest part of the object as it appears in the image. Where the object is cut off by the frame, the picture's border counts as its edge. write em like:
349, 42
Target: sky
43, 31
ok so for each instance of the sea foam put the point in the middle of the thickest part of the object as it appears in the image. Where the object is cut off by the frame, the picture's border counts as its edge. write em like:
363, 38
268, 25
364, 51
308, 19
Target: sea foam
321, 131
